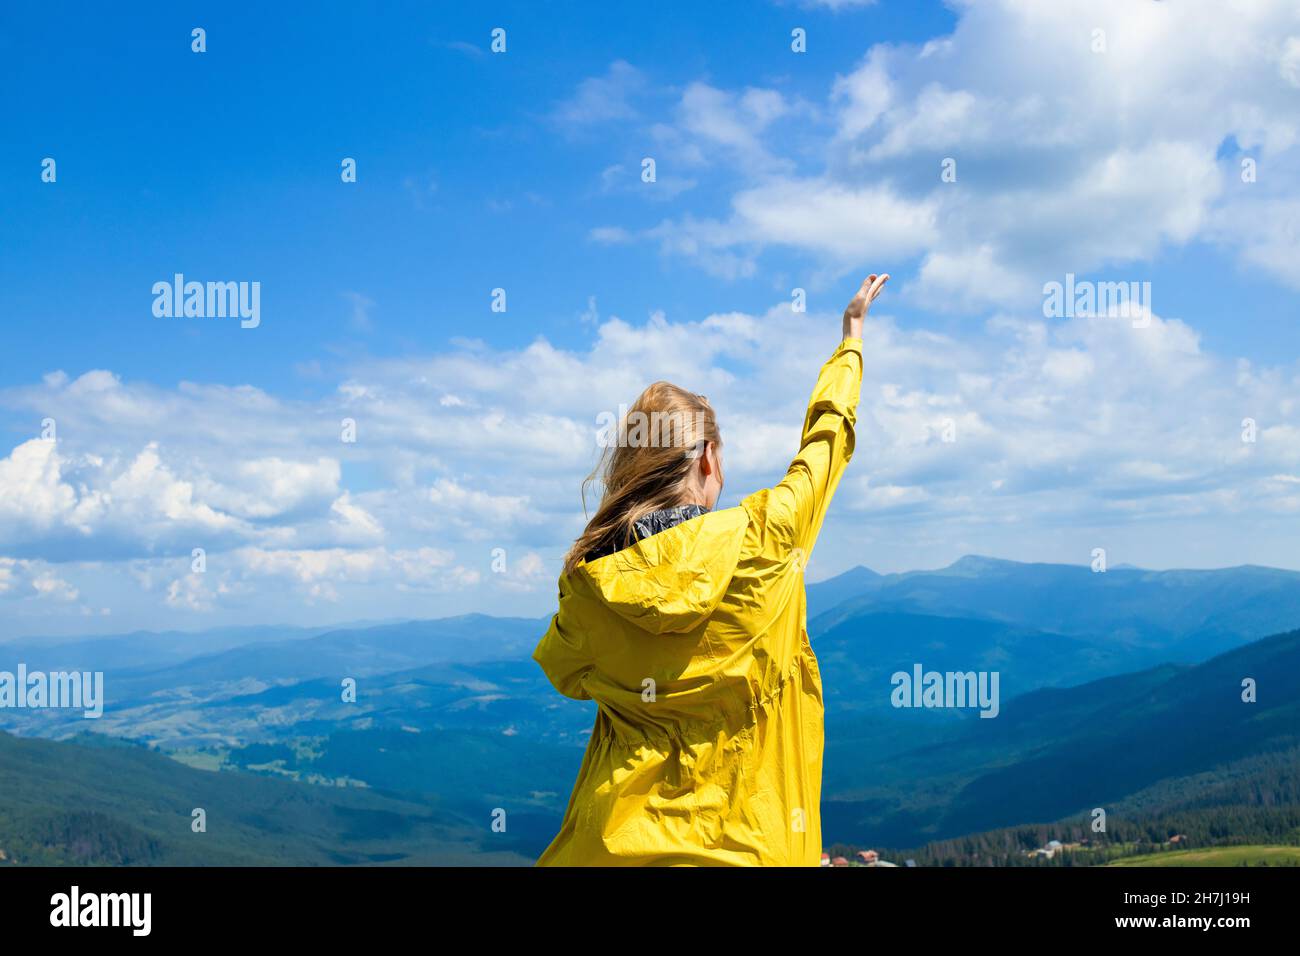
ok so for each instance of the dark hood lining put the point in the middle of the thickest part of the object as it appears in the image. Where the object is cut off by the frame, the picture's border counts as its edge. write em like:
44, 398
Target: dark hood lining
651, 524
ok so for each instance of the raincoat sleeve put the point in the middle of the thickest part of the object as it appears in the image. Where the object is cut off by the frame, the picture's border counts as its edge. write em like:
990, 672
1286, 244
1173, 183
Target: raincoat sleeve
562, 653
797, 506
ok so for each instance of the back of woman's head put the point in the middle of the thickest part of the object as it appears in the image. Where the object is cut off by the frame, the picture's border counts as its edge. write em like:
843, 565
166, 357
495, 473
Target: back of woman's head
646, 465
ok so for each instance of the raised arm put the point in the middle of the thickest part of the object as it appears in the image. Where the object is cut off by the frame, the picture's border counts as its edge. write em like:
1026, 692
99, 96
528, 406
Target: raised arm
797, 506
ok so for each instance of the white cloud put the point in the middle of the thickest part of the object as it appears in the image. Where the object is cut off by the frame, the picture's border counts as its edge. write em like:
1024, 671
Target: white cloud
32, 491
1075, 150
362, 306
474, 505
266, 487
354, 522
196, 593
602, 99
1055, 422
54, 588
37, 583
733, 122
321, 574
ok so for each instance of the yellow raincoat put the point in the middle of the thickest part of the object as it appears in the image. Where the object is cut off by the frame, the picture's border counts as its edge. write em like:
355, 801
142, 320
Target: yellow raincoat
707, 746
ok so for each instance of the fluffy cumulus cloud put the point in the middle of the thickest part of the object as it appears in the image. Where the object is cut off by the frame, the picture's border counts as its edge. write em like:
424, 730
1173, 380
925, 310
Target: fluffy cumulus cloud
1078, 135
34, 580
1100, 420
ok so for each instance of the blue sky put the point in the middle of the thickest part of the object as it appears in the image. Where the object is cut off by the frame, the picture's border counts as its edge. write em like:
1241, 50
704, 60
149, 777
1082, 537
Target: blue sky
227, 163
1104, 140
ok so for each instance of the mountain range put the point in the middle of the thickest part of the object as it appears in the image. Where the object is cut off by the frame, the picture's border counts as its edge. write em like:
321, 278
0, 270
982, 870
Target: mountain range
1119, 689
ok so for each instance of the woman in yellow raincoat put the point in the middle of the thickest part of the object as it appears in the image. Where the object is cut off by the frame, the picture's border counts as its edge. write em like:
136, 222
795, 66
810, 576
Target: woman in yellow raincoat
687, 627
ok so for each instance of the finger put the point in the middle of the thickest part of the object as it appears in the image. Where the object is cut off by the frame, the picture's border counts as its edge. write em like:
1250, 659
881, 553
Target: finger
877, 286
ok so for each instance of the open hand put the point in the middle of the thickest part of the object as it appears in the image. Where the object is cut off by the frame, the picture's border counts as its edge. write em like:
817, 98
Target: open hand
857, 309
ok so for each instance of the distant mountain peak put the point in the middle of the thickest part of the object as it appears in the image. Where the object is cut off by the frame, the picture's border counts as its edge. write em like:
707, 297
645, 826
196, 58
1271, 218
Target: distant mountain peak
980, 562
860, 571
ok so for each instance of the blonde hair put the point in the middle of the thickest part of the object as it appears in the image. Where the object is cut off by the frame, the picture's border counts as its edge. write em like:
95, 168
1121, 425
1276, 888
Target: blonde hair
648, 467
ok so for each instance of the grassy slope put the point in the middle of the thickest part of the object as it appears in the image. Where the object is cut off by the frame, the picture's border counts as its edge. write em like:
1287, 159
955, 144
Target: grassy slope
1219, 856
69, 803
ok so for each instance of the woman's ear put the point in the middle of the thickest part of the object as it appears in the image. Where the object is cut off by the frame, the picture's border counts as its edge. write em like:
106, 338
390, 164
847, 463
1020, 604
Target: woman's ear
716, 463
710, 459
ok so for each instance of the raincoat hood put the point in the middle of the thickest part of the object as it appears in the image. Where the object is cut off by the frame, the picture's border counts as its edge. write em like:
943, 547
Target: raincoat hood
670, 582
